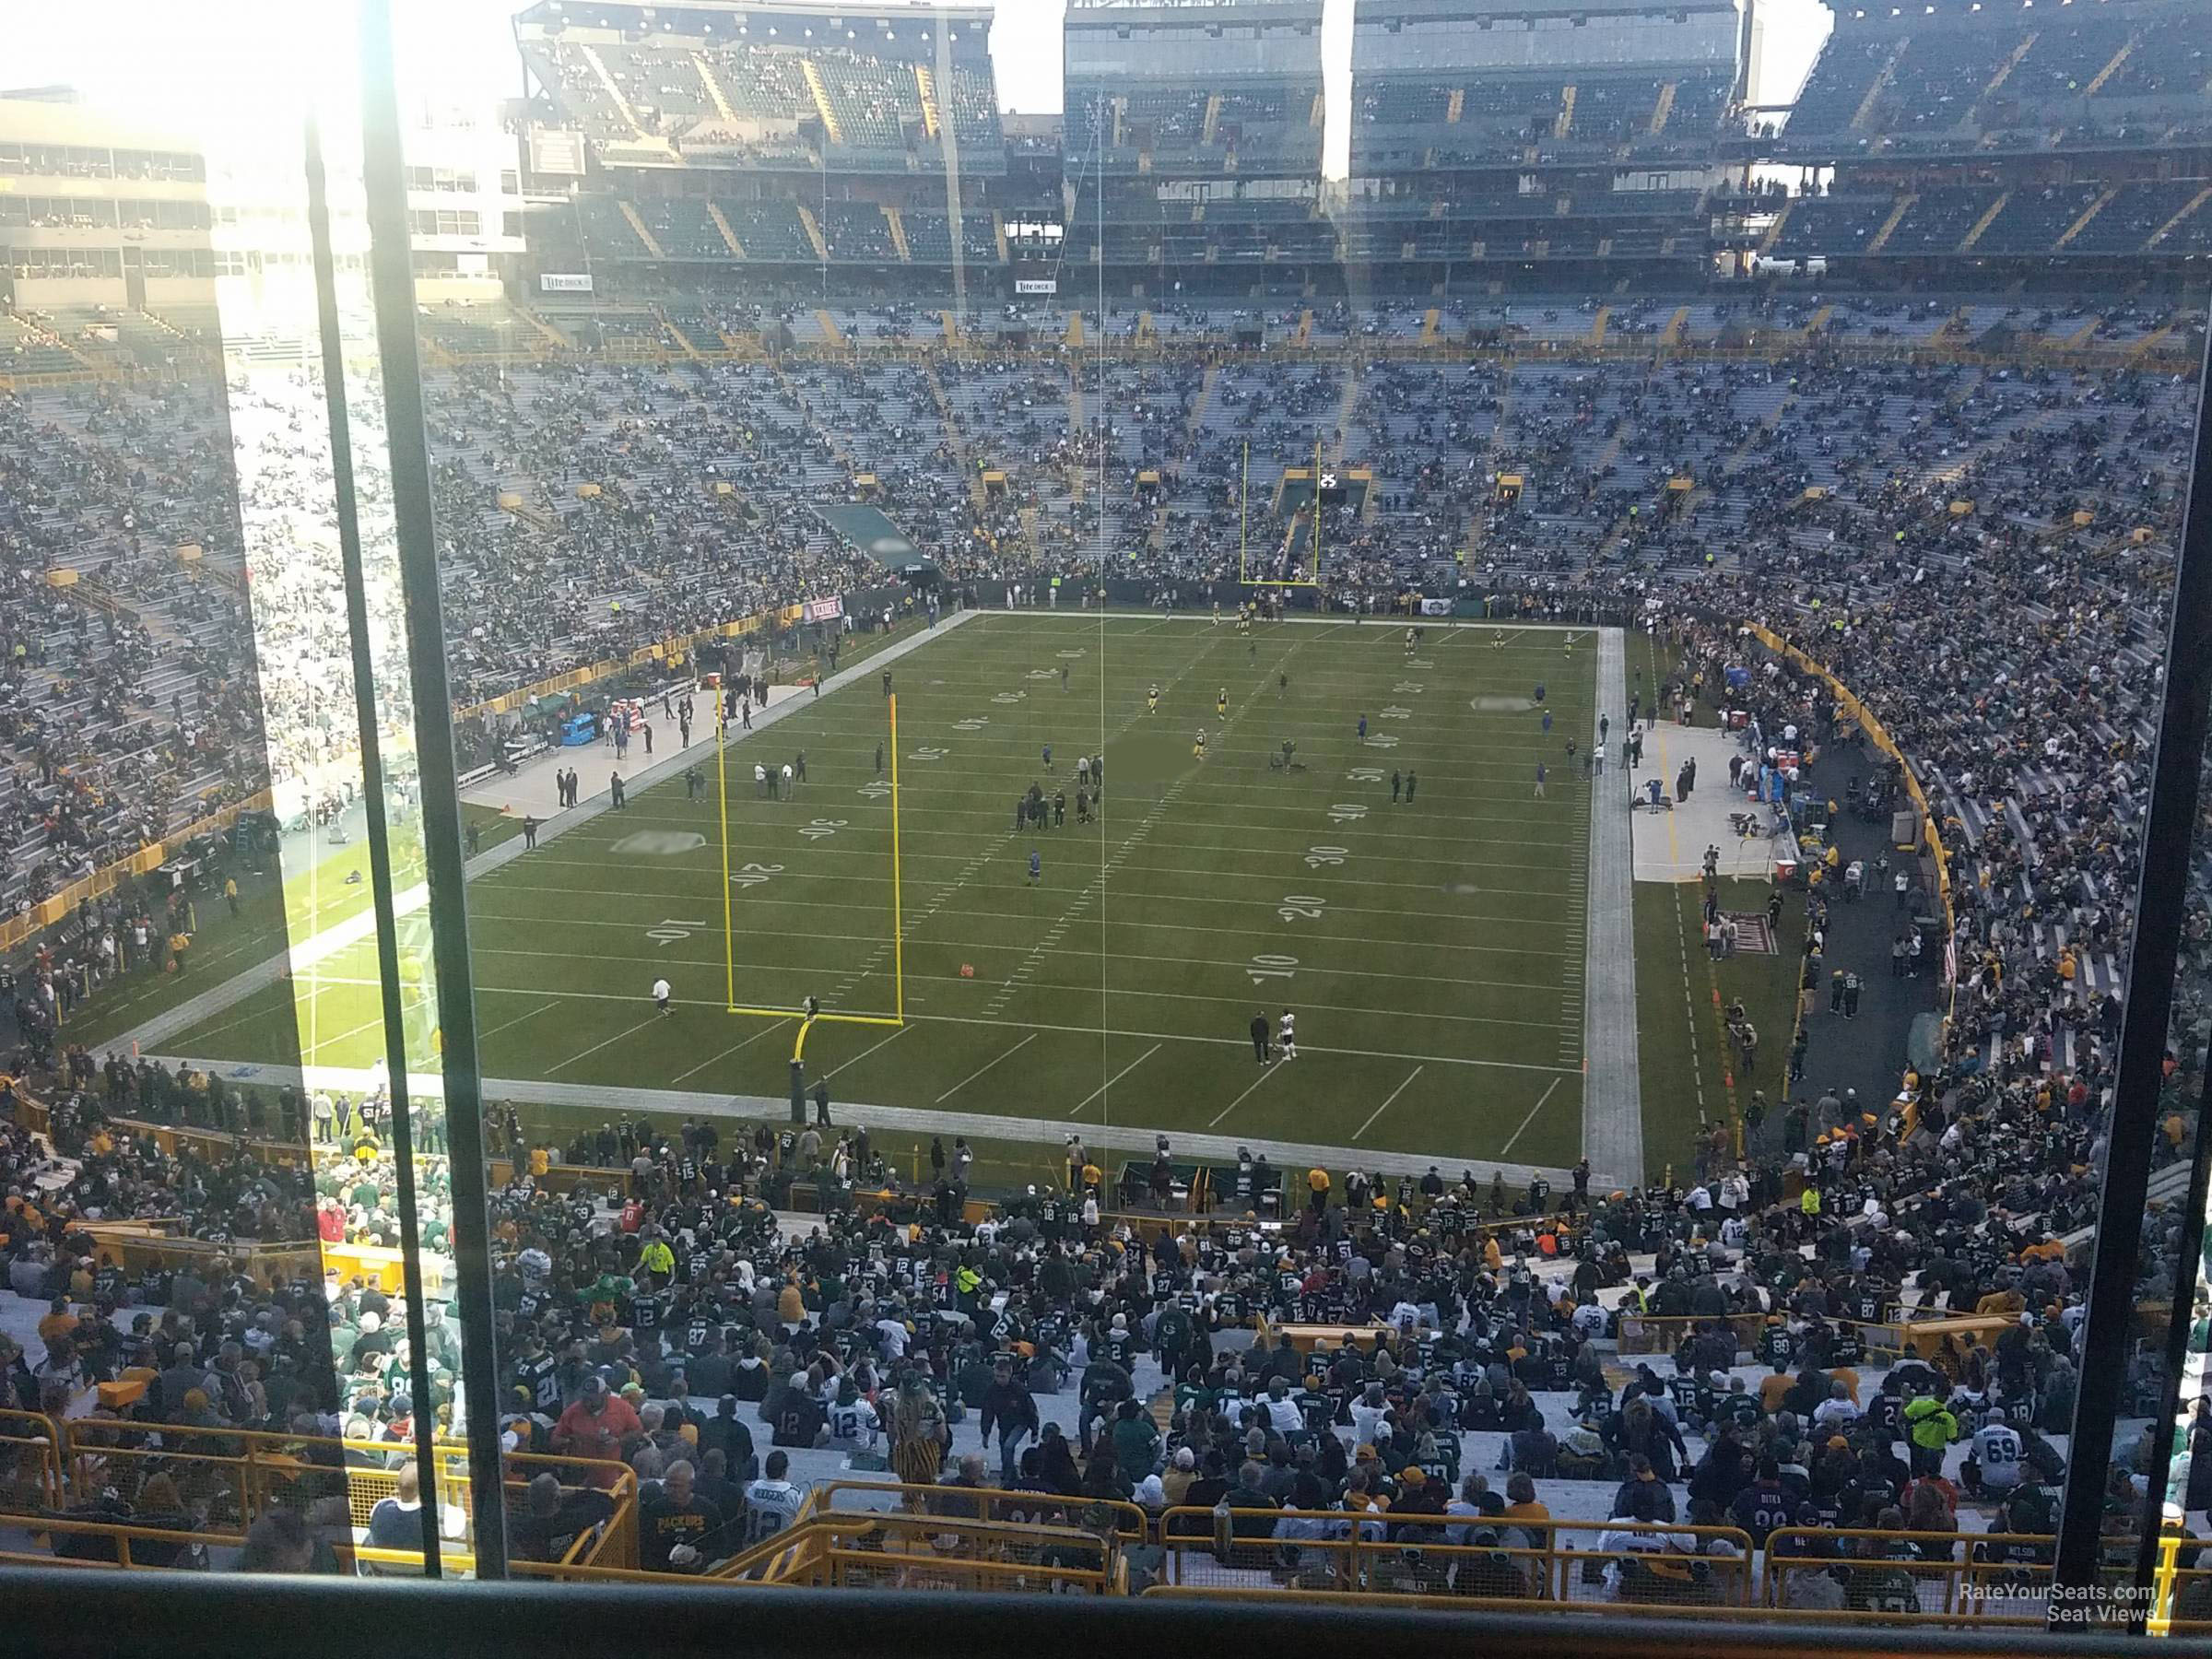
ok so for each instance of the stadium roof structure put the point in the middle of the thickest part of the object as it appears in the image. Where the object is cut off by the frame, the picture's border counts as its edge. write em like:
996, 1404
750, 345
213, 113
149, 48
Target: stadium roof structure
591, 14
1075, 7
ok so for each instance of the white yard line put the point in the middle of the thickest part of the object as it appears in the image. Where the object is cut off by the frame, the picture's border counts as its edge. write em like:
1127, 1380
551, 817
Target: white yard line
495, 1030
1530, 1117
863, 1054
595, 1047
367, 1025
972, 1075
1267, 1072
1117, 1077
1469, 981
1084, 1030
1394, 1093
725, 1054
1191, 927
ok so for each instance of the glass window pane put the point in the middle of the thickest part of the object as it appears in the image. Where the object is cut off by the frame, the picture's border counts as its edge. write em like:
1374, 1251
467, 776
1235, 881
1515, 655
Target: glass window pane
1621, 563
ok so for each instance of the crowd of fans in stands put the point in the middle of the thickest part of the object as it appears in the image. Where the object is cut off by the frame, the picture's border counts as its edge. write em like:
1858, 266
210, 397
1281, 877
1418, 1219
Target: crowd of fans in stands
2012, 657
141, 700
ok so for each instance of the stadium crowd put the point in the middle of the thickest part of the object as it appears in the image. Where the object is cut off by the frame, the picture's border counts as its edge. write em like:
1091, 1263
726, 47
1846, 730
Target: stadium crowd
672, 1322
145, 700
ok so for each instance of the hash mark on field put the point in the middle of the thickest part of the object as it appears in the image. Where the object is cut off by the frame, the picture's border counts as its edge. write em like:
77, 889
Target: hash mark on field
1030, 963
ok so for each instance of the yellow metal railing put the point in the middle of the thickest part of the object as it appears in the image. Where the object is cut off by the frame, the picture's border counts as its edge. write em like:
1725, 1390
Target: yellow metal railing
1126, 1520
234, 1476
1989, 1578
1345, 1552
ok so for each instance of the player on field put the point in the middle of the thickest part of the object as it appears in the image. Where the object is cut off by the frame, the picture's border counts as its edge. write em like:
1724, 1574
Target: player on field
1221, 703
1152, 698
660, 994
1036, 867
1198, 748
1063, 676
1287, 1035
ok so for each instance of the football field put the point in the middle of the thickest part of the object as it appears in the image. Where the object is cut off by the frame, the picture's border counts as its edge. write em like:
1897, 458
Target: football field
1431, 949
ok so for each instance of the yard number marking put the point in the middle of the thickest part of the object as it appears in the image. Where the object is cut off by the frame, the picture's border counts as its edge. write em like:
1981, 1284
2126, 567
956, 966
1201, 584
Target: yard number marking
821, 827
1346, 812
929, 754
1317, 856
672, 929
1272, 966
748, 875
1364, 774
1297, 905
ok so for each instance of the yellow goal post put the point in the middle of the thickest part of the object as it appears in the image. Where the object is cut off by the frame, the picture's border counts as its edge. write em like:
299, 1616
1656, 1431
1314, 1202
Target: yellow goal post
811, 1013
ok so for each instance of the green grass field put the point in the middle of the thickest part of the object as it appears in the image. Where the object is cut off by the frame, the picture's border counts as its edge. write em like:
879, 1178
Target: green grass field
1432, 950
1687, 1076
